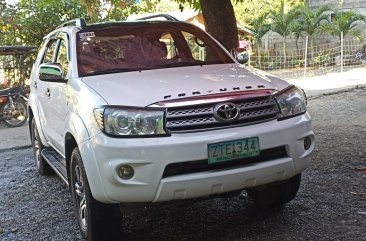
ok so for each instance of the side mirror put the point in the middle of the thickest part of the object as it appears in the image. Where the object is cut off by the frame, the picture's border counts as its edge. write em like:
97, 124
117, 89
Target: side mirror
242, 56
51, 72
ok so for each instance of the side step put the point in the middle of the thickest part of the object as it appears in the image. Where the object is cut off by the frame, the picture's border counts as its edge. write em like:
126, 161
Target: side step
57, 163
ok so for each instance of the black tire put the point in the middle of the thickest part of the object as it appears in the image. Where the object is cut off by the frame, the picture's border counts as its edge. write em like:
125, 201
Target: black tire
42, 166
19, 116
97, 221
275, 194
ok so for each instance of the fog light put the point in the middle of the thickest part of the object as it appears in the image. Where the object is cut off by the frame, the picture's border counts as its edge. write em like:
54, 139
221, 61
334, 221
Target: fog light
125, 172
307, 143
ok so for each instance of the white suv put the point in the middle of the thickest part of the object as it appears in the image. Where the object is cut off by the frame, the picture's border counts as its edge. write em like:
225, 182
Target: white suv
132, 113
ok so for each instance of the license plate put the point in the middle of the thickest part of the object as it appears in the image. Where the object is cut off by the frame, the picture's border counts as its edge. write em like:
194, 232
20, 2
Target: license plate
231, 150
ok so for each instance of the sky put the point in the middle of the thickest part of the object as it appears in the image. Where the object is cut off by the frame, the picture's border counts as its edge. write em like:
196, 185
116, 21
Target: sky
11, 1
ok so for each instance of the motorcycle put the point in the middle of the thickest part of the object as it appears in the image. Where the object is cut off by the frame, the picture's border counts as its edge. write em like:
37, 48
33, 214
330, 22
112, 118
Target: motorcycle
13, 106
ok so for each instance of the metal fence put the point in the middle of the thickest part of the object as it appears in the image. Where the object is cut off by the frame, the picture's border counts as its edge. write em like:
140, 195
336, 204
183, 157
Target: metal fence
310, 61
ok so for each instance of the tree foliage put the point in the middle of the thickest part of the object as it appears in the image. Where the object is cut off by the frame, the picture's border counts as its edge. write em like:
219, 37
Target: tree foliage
249, 10
310, 20
36, 18
210, 10
8, 25
282, 21
345, 22
121, 9
260, 26
28, 21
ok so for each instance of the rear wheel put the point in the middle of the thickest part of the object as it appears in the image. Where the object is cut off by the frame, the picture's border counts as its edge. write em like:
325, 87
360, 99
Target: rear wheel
15, 115
97, 221
275, 194
42, 166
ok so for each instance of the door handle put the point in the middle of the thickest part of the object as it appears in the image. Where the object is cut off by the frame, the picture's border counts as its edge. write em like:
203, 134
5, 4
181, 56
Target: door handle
48, 92
35, 84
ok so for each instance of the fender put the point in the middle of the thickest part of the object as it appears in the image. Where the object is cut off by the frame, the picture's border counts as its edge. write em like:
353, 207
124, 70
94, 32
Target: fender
93, 172
32, 105
76, 127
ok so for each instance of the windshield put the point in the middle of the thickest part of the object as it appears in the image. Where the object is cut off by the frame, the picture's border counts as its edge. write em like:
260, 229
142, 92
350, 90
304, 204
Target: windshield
136, 47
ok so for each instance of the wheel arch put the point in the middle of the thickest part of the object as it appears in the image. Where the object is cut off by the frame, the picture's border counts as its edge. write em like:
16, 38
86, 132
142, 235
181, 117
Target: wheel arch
70, 144
33, 114
77, 135
90, 165
30, 117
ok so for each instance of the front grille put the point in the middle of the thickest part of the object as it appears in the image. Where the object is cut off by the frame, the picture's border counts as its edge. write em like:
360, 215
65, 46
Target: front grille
201, 117
182, 168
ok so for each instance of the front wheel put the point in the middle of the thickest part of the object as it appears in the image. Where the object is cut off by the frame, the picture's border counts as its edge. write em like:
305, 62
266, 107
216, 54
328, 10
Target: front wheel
15, 115
275, 194
97, 221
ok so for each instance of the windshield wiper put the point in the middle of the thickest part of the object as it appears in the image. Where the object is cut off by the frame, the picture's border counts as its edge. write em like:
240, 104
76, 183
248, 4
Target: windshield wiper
112, 71
184, 64
180, 64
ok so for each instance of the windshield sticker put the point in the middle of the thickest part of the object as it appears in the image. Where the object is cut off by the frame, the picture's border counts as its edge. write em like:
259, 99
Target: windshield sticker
87, 35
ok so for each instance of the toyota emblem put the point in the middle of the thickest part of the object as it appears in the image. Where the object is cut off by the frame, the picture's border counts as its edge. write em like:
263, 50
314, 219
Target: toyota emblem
226, 112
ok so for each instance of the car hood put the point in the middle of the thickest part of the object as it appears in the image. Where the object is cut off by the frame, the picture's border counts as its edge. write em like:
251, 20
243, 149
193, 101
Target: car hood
143, 88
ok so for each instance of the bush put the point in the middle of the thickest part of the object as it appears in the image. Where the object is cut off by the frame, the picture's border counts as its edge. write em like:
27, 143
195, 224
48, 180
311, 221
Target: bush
323, 58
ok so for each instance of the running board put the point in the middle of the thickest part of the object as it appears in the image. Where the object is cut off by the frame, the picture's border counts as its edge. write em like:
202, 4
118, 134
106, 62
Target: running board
57, 163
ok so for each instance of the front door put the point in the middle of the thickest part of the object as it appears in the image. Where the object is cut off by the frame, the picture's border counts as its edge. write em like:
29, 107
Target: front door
53, 95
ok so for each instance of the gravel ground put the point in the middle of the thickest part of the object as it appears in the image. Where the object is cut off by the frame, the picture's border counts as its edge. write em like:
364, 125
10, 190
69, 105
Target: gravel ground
331, 204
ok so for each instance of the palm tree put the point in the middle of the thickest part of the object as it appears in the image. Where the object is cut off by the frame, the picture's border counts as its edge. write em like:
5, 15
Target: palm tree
345, 22
310, 21
283, 23
260, 27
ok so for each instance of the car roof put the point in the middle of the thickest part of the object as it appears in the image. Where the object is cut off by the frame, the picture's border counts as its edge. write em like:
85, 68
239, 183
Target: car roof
80, 22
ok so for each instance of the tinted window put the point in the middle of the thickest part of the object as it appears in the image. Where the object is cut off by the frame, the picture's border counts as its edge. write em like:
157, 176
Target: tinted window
145, 46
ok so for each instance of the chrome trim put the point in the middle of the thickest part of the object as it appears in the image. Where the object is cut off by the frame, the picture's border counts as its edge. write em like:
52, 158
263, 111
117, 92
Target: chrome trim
203, 117
226, 112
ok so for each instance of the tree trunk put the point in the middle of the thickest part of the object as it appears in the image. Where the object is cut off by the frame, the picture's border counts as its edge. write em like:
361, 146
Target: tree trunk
311, 47
284, 52
220, 21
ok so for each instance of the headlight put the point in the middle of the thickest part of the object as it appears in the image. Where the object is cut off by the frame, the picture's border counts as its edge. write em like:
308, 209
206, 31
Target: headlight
126, 122
291, 101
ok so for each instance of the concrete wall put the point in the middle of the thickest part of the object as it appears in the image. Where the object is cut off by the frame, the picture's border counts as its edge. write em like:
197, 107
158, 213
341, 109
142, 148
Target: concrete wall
273, 41
358, 5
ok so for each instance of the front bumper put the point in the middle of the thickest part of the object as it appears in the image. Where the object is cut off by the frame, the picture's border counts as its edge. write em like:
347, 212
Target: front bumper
149, 157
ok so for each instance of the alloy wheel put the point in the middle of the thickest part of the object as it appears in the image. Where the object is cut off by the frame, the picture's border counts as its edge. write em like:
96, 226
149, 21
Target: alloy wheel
80, 196
36, 145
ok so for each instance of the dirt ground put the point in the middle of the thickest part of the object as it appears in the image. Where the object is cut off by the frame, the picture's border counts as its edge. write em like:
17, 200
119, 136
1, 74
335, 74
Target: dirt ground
331, 203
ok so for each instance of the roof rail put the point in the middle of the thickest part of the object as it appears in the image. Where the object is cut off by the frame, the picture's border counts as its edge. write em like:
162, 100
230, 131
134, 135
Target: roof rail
75, 22
161, 15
